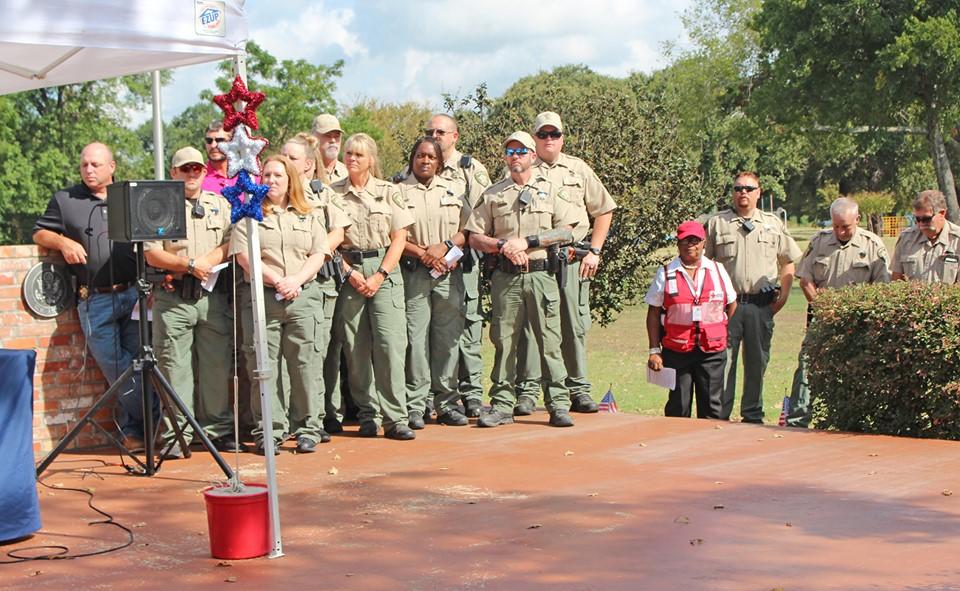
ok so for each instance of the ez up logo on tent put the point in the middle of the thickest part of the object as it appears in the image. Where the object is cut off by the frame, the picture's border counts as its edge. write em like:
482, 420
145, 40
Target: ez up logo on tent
211, 18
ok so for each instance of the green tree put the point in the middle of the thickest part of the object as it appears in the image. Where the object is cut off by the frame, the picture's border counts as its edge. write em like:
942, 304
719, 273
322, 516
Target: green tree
297, 91
881, 64
42, 133
395, 127
629, 139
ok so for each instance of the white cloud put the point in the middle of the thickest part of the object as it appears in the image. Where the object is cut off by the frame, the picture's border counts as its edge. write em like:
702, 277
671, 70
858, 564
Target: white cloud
419, 49
307, 30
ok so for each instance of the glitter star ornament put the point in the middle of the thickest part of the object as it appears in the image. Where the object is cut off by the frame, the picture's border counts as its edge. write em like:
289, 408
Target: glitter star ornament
248, 115
250, 208
243, 152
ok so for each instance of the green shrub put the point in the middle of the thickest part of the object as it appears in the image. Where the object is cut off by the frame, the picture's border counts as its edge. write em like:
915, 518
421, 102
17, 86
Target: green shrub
886, 359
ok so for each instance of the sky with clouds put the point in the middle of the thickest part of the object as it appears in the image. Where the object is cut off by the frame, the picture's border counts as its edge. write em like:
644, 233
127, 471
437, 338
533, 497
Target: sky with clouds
416, 50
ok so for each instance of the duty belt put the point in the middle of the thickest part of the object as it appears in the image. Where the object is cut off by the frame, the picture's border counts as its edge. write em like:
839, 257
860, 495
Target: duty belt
535, 265
411, 263
355, 257
759, 299
84, 291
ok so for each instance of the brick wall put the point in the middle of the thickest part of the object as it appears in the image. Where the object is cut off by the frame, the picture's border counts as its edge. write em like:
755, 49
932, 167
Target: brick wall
66, 382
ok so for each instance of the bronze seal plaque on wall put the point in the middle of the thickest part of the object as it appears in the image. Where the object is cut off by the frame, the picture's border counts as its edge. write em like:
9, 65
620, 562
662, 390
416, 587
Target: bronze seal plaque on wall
48, 290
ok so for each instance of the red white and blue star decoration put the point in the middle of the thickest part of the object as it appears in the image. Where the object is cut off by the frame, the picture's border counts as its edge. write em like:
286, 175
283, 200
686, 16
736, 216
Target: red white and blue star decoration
248, 115
243, 152
249, 208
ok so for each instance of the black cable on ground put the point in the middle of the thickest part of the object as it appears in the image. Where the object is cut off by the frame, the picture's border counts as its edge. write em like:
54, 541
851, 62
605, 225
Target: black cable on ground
57, 552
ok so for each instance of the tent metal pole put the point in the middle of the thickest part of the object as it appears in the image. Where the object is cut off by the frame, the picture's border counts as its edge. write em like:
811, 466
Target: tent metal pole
263, 371
157, 128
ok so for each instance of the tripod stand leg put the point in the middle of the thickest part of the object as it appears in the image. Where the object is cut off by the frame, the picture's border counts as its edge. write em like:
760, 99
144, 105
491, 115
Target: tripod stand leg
167, 409
88, 418
166, 390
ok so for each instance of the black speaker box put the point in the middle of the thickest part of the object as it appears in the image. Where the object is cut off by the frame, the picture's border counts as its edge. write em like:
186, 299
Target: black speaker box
139, 211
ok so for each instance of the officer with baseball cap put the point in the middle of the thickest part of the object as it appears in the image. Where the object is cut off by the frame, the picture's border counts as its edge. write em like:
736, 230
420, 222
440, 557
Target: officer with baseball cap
189, 319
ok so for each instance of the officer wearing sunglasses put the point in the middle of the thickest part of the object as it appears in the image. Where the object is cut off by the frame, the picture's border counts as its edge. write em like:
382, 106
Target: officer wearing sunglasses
519, 221
760, 255
929, 250
189, 318
591, 203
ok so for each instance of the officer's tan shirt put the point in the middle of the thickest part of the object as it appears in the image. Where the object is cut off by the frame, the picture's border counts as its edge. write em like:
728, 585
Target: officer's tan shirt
586, 193
438, 211
752, 259
339, 172
830, 264
920, 259
457, 177
204, 233
329, 204
502, 215
287, 239
376, 210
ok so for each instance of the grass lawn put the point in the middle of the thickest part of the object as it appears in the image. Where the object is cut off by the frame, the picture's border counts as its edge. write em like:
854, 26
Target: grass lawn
617, 354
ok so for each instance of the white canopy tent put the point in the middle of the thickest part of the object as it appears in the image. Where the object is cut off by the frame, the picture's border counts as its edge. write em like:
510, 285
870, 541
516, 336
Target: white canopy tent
55, 42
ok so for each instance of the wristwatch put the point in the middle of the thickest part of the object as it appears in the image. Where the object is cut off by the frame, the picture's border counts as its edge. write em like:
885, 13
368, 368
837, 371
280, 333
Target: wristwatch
500, 244
449, 244
383, 272
594, 250
191, 266
655, 350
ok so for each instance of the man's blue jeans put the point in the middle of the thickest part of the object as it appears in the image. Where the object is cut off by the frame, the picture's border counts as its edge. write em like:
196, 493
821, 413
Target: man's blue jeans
113, 339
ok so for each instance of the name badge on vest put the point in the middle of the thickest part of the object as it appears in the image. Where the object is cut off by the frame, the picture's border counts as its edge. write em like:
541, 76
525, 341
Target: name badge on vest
696, 314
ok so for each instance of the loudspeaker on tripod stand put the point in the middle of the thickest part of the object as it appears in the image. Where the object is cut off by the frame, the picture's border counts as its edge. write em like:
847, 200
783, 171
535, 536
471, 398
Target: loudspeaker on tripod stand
139, 211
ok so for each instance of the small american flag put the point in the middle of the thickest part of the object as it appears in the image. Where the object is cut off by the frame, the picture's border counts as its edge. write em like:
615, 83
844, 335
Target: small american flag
784, 412
607, 403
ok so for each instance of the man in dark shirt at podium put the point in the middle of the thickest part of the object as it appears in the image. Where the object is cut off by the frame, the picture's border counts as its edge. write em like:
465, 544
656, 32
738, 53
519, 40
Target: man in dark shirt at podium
75, 223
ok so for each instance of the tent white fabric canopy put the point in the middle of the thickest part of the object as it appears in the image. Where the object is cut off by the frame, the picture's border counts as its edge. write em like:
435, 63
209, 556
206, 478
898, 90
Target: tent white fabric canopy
53, 42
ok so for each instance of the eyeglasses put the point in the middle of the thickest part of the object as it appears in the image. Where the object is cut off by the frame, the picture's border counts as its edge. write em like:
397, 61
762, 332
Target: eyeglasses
218, 140
924, 219
191, 168
744, 188
552, 134
435, 132
510, 152
694, 240
198, 211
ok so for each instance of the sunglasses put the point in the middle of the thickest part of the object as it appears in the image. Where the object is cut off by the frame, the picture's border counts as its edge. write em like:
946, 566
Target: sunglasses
510, 152
435, 132
216, 140
744, 188
191, 168
551, 134
924, 219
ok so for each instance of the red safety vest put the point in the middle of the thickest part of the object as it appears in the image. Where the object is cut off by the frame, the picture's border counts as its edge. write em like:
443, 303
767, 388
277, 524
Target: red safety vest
683, 327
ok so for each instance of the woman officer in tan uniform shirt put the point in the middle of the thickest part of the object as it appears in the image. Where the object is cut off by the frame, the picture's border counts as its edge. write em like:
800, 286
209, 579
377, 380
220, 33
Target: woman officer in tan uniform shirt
370, 313
293, 246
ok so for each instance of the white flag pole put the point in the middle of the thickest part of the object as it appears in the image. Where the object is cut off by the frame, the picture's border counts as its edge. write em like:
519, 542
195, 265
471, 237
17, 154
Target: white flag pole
263, 372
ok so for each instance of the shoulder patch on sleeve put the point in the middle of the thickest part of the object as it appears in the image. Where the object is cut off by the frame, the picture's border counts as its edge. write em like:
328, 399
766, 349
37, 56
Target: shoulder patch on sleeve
399, 200
482, 178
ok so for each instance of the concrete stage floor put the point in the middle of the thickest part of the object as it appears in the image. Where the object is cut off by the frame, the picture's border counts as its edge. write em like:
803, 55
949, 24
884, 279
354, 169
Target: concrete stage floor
618, 502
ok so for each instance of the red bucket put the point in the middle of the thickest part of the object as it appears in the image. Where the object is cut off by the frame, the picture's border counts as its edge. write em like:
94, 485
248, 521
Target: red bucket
239, 523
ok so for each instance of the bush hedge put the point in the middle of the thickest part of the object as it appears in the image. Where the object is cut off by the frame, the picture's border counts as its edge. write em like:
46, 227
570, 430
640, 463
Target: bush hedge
886, 359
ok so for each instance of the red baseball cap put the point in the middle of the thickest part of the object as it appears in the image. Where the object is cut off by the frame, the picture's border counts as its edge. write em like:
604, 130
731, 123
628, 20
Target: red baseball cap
691, 228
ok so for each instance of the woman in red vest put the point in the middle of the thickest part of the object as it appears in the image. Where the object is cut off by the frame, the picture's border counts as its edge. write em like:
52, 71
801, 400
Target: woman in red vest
690, 300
